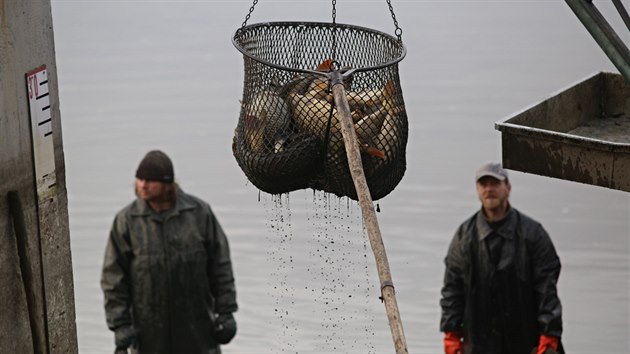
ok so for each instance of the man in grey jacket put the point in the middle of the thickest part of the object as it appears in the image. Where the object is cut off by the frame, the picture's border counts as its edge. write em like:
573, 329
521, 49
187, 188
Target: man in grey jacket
499, 294
167, 275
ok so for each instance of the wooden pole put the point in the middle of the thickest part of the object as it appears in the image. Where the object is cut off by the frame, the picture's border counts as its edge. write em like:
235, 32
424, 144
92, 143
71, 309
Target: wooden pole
367, 209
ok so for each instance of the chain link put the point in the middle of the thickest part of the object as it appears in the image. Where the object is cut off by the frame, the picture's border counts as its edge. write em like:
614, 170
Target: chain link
251, 9
334, 33
398, 30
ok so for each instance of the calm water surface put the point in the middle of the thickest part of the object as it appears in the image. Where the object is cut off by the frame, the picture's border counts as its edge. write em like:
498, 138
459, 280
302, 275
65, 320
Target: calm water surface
139, 75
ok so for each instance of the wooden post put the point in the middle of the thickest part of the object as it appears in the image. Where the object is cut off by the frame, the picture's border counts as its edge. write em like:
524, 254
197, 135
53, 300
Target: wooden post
367, 209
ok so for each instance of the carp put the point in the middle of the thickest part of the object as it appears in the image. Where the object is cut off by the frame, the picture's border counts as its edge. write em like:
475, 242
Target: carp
266, 118
388, 138
369, 100
312, 115
369, 126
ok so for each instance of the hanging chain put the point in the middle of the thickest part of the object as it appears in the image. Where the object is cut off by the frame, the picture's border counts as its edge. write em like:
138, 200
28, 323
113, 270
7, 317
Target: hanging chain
251, 9
398, 29
334, 33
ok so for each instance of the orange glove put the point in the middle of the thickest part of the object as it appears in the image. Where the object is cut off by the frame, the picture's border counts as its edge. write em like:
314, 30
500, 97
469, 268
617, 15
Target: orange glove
547, 342
452, 343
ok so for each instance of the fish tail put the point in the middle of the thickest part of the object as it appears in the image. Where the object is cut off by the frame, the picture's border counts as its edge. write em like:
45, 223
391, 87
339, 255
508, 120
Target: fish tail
372, 151
389, 89
326, 65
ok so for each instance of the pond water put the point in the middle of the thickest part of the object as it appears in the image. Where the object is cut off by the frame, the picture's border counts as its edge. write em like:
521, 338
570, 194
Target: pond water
139, 75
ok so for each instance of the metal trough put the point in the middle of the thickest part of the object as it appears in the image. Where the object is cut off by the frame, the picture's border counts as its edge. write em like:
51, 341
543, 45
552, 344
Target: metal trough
581, 134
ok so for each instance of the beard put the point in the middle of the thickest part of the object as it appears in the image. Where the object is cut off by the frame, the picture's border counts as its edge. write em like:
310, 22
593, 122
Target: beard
492, 203
495, 203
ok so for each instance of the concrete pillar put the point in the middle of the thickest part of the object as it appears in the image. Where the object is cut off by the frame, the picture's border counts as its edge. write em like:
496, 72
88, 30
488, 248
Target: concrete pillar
36, 286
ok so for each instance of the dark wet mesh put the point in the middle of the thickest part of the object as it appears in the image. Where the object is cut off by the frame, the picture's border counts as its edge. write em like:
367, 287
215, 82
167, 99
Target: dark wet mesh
288, 136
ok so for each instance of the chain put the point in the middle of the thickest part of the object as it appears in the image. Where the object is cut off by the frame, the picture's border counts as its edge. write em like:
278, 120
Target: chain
251, 9
398, 29
334, 33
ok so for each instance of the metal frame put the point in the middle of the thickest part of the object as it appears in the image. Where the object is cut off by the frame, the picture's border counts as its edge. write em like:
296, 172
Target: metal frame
603, 33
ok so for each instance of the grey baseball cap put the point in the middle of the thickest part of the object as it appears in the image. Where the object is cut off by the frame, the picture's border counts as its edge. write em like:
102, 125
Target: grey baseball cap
492, 169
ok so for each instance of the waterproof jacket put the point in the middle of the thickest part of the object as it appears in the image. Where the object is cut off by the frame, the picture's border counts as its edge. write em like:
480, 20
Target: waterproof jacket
501, 306
168, 274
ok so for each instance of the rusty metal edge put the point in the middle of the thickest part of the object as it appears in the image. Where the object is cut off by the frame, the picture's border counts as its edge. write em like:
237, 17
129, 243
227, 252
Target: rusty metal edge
522, 130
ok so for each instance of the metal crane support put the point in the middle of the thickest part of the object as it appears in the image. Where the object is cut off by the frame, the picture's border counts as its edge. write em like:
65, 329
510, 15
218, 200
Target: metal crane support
603, 33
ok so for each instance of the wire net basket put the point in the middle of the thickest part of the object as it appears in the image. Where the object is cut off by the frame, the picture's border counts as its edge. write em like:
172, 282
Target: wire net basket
288, 135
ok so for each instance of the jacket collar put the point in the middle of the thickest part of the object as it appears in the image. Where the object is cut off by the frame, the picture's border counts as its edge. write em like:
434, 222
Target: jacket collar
506, 230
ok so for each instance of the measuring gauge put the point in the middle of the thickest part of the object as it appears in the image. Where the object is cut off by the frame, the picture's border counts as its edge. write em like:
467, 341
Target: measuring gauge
41, 129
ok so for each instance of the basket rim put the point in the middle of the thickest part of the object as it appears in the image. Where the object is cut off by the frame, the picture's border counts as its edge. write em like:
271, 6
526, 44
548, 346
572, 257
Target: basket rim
402, 55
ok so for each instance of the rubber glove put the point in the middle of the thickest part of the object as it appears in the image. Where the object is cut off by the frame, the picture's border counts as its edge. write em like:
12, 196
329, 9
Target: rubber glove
452, 343
224, 328
547, 342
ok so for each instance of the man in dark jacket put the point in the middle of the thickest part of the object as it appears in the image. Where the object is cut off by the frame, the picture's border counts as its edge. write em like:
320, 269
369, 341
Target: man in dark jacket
499, 294
167, 276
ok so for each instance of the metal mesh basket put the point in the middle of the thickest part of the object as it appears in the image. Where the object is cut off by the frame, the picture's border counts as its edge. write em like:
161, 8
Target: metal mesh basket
288, 136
